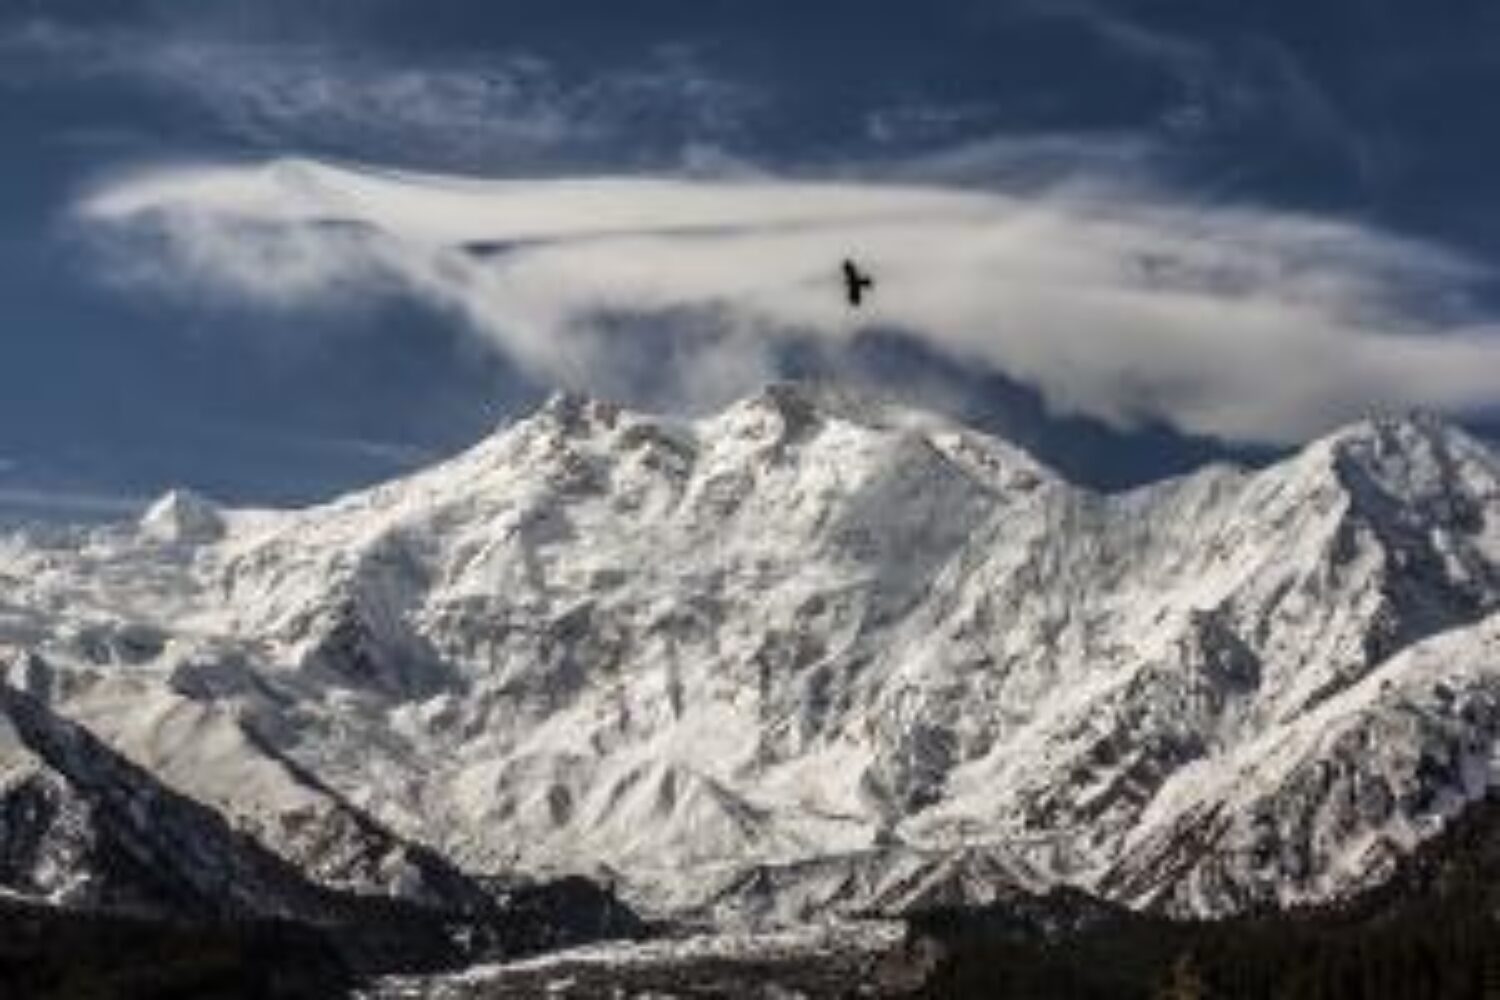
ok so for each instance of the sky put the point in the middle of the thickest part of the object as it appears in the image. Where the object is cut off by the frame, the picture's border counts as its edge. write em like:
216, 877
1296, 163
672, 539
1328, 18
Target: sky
276, 250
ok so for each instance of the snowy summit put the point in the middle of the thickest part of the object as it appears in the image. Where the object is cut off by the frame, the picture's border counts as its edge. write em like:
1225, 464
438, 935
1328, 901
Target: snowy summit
817, 652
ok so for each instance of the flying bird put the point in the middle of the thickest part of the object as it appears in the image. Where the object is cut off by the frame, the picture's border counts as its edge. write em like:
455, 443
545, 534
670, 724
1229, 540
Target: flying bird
856, 283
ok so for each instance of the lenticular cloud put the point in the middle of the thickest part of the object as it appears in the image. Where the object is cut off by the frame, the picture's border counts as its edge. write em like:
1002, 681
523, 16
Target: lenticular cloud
1244, 324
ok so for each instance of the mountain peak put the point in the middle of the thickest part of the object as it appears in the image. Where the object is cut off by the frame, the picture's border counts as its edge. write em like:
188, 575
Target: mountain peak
183, 517
576, 411
807, 400
1415, 455
1417, 428
792, 410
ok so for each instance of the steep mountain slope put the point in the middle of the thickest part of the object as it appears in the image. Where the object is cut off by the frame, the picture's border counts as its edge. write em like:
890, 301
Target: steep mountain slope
85, 830
1429, 930
865, 653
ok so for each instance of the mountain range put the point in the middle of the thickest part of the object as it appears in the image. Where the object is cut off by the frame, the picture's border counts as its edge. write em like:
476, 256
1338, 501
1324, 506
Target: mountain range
815, 654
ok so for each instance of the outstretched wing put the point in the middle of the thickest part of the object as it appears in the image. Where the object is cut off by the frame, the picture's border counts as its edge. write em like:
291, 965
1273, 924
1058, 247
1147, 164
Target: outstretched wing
856, 282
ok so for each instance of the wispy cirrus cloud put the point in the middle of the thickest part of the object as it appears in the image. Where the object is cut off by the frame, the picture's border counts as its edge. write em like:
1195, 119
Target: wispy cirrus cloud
1245, 324
1231, 81
506, 109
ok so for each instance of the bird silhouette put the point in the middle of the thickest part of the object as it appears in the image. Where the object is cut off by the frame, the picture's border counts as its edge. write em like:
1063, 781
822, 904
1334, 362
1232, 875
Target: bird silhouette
856, 283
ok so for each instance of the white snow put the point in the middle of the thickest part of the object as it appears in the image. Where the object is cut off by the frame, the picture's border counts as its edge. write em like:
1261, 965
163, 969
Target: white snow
182, 517
812, 627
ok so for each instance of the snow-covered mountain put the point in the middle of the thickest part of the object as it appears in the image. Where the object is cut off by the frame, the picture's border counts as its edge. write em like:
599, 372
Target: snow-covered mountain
815, 652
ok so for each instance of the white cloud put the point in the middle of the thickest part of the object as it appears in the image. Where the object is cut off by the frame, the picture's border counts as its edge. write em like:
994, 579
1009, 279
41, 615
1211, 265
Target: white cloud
1244, 324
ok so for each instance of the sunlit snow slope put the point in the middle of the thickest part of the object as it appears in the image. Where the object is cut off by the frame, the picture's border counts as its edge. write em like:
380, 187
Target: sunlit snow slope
816, 651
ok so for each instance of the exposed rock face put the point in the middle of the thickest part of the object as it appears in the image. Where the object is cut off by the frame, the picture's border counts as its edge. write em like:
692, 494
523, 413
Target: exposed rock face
868, 654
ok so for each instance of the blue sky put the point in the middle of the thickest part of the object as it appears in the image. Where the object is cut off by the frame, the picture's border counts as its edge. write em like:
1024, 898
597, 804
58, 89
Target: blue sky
1135, 236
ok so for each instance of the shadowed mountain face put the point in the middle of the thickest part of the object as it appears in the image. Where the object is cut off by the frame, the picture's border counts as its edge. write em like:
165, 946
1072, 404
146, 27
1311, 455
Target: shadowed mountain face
87, 831
816, 653
1428, 931
49, 952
